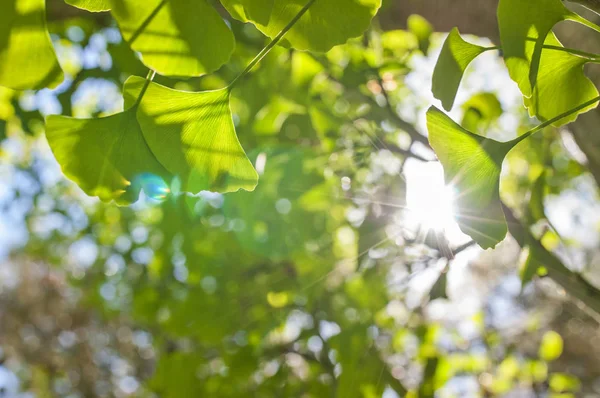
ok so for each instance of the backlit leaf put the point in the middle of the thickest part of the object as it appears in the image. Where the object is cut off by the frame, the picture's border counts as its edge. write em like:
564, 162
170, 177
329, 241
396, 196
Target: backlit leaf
193, 137
561, 84
91, 5
107, 157
472, 165
522, 20
27, 58
456, 55
325, 24
175, 37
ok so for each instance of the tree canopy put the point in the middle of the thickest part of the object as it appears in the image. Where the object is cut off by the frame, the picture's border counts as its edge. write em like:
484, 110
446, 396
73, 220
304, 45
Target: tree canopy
281, 198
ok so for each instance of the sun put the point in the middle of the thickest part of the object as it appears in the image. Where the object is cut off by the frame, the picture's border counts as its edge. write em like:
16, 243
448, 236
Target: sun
429, 201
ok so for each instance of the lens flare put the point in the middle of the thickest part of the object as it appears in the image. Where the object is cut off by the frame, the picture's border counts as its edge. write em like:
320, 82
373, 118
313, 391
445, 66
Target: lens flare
153, 186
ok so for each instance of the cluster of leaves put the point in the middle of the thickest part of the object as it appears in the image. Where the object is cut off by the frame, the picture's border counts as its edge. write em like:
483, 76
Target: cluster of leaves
555, 90
165, 135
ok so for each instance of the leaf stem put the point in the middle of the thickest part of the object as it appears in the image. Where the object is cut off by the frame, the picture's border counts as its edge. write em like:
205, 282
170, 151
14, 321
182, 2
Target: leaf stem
553, 120
270, 46
590, 56
149, 78
584, 54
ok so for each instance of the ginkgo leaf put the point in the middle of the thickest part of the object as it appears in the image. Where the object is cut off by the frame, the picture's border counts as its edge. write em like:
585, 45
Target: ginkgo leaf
175, 37
107, 157
91, 5
193, 137
27, 58
325, 24
456, 55
521, 21
561, 84
472, 165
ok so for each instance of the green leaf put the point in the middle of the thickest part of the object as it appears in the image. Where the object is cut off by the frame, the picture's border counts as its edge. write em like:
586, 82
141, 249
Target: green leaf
551, 346
472, 165
90, 5
535, 208
107, 157
454, 58
193, 137
175, 37
438, 290
519, 20
422, 29
480, 111
529, 267
27, 58
326, 24
561, 84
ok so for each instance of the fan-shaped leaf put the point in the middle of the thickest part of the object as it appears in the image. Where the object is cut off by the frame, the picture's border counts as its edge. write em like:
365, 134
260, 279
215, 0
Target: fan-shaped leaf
456, 55
175, 37
561, 84
472, 165
193, 137
27, 59
107, 157
519, 21
325, 24
91, 5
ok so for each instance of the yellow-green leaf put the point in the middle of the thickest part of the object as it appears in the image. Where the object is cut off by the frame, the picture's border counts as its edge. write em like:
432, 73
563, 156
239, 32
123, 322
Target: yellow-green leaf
27, 58
456, 55
193, 137
107, 157
520, 21
175, 37
472, 166
561, 84
325, 24
91, 5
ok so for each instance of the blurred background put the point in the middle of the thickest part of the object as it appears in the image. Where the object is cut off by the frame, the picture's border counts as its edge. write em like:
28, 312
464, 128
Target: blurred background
342, 275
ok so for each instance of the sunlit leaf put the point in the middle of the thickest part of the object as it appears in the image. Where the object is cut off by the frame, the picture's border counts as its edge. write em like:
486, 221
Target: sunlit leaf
27, 59
481, 110
175, 37
522, 20
456, 55
91, 5
472, 165
325, 24
193, 137
107, 157
551, 346
561, 84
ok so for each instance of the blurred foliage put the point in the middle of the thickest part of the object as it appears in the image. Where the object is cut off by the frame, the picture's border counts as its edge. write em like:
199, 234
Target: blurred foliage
310, 286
